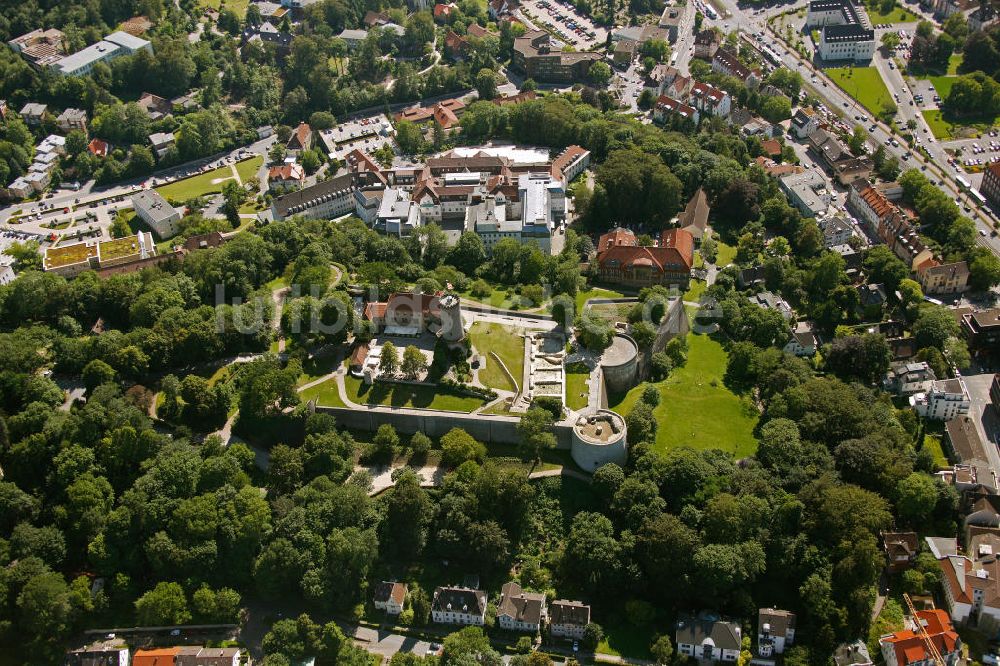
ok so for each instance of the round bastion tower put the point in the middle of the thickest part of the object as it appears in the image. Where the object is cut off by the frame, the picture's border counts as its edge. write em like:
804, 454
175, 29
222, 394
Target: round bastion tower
452, 328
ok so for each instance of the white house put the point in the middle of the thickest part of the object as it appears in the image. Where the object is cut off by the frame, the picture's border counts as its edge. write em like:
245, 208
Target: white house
907, 378
707, 639
775, 631
907, 647
459, 605
389, 597
107, 651
803, 342
945, 400
568, 619
519, 610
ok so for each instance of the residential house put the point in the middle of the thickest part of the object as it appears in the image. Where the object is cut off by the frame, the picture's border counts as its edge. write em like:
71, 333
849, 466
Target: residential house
156, 657
568, 619
807, 191
101, 652
907, 378
375, 19
389, 596
952, 278
852, 654
519, 610
845, 167
694, 218
962, 441
945, 400
285, 177
620, 259
726, 62
300, 140
624, 53
907, 647
20, 188
442, 10
901, 550
268, 33
775, 631
98, 148
872, 300
161, 142
155, 211
706, 43
570, 163
510, 100
990, 187
982, 332
72, 119
33, 113
771, 301
803, 342
667, 107
196, 655
971, 581
455, 46
446, 113
837, 229
707, 639
458, 605
501, 9
156, 107
890, 224
537, 57
749, 277
710, 100
804, 122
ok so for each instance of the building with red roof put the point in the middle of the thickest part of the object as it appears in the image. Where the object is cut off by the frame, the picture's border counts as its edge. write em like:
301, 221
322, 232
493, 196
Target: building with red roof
621, 260
907, 647
99, 148
156, 657
443, 11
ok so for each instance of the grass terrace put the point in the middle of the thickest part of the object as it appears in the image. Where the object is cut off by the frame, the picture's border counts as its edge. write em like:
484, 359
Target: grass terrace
863, 84
119, 248
933, 444
237, 6
506, 343
210, 182
248, 168
897, 14
696, 409
577, 391
417, 396
725, 254
325, 393
595, 292
695, 289
67, 255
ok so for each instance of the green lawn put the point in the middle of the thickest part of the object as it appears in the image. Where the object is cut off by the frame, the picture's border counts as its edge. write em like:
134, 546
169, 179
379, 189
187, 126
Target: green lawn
409, 395
695, 408
897, 15
595, 292
695, 289
324, 393
508, 345
622, 639
317, 366
940, 127
577, 392
248, 168
209, 182
725, 254
500, 297
863, 84
943, 84
238, 6
933, 444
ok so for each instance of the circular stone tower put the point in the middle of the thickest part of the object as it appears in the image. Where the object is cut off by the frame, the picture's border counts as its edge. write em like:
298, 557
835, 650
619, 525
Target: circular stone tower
452, 329
599, 438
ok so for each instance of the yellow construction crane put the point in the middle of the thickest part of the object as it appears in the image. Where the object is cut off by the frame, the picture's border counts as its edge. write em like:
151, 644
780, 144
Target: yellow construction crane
931, 648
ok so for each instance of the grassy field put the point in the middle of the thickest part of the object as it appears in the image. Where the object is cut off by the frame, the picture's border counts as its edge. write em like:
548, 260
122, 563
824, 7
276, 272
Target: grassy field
508, 345
577, 392
316, 367
595, 292
933, 444
324, 393
725, 254
500, 297
863, 84
209, 182
897, 15
695, 289
695, 408
238, 6
395, 395
940, 127
248, 168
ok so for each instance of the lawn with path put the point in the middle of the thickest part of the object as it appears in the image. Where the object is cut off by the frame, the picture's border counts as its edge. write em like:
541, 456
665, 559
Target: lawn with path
420, 396
506, 343
595, 292
863, 84
325, 393
248, 168
696, 409
897, 14
577, 391
210, 182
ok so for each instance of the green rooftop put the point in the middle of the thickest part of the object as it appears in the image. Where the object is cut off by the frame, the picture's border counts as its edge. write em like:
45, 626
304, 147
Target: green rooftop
69, 254
119, 247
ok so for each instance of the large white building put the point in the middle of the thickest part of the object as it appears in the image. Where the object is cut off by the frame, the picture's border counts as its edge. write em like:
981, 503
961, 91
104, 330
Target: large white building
845, 32
113, 46
155, 211
945, 400
519, 610
707, 639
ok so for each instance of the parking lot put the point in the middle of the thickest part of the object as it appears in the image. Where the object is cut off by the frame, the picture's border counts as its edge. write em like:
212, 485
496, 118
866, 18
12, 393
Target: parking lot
562, 19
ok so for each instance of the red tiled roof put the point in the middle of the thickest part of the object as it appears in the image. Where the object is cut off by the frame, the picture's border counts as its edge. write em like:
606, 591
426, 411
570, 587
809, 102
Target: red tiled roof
99, 148
771, 146
300, 137
444, 10
909, 646
515, 99
676, 248
286, 172
157, 657
565, 158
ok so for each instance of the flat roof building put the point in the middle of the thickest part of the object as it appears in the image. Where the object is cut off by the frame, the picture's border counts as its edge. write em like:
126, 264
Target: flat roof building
155, 211
113, 46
